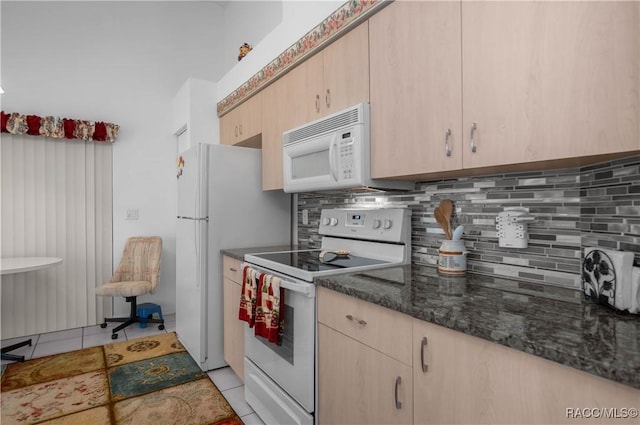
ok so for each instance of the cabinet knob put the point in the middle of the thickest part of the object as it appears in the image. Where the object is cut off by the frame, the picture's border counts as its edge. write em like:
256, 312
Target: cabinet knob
447, 148
474, 126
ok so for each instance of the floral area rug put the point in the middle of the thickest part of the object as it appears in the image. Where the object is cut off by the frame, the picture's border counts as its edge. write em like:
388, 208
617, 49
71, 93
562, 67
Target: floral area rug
150, 380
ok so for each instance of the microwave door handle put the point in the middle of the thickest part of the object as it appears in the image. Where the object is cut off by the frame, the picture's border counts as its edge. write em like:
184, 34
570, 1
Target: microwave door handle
332, 159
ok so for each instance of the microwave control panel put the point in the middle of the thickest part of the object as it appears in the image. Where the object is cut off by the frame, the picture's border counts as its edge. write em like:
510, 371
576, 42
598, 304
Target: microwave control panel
345, 150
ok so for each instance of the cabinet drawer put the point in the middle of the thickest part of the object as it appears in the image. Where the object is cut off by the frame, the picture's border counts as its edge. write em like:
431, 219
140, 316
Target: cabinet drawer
232, 269
380, 328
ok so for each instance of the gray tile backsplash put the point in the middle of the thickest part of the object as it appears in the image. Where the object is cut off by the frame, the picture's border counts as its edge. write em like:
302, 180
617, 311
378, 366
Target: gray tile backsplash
590, 206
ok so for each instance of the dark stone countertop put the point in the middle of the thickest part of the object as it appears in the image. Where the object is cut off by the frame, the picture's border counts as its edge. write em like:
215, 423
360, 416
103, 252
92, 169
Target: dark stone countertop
554, 323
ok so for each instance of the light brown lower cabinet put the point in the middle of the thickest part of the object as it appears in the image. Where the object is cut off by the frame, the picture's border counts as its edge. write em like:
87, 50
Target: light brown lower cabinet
360, 385
468, 380
233, 339
364, 362
450, 377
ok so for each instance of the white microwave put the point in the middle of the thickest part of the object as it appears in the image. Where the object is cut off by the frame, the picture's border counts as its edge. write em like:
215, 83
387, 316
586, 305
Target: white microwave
332, 153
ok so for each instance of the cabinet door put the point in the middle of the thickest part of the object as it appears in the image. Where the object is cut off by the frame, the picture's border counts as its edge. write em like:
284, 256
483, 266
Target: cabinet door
346, 71
233, 327
415, 88
471, 380
229, 128
549, 80
250, 121
359, 385
242, 126
287, 103
274, 101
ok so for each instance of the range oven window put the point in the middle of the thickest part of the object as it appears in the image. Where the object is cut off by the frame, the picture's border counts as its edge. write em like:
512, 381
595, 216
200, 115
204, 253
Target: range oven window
285, 350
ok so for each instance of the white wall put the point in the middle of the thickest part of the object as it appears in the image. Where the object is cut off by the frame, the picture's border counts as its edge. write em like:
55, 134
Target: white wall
298, 18
247, 22
121, 62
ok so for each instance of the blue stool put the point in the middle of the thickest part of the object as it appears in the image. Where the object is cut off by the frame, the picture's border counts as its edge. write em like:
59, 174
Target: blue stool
146, 310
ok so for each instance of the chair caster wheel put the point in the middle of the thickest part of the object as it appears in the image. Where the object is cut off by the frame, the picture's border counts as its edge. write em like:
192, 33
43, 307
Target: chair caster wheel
161, 327
103, 325
114, 336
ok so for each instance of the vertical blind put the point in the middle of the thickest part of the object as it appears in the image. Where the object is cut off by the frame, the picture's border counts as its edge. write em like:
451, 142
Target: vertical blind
56, 201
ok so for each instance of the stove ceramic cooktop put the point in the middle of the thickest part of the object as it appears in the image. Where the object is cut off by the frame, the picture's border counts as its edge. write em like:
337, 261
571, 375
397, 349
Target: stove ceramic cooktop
306, 264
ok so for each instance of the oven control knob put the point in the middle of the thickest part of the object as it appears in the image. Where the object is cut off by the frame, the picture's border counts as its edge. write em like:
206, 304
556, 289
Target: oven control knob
333, 221
387, 224
376, 223
325, 221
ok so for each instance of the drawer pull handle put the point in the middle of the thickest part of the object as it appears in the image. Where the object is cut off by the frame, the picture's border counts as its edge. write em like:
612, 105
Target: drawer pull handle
447, 148
425, 367
398, 402
353, 319
317, 103
474, 126
327, 99
232, 269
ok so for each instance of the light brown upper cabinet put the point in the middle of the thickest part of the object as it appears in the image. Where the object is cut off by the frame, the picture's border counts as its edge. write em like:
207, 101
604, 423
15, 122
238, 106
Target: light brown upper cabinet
285, 106
333, 79
416, 83
345, 72
538, 82
242, 126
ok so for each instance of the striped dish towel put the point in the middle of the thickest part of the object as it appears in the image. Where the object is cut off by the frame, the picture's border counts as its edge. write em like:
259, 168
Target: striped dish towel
269, 319
248, 296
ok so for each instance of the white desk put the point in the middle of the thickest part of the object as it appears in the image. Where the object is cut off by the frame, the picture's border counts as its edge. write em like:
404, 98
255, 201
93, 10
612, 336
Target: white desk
21, 265
26, 264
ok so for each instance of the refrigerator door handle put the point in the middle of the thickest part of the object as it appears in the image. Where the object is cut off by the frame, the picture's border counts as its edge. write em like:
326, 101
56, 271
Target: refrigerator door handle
194, 218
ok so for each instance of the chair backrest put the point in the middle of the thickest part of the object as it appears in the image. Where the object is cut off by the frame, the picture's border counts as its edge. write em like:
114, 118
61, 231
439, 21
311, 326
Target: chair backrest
140, 260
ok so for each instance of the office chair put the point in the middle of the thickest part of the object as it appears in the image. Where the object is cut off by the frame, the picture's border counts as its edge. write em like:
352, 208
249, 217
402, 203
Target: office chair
137, 274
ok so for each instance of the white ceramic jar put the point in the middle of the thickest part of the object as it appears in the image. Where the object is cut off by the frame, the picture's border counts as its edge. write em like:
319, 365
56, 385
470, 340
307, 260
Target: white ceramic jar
452, 259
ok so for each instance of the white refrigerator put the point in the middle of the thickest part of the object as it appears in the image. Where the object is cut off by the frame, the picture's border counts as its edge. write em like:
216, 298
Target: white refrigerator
221, 205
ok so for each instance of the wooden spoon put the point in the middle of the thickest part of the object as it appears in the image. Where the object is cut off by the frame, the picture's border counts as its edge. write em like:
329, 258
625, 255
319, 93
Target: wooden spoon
446, 206
442, 221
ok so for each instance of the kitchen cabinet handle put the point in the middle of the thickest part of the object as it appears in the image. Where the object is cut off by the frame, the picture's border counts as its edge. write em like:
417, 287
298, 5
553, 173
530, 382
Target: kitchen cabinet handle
232, 269
354, 319
398, 402
318, 103
236, 130
425, 367
241, 129
327, 99
474, 126
447, 149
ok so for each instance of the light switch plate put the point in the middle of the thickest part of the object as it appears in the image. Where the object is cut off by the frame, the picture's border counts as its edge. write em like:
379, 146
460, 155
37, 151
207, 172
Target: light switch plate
132, 213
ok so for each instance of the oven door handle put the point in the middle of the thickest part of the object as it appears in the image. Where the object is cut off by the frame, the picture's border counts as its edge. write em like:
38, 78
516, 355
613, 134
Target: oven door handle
305, 288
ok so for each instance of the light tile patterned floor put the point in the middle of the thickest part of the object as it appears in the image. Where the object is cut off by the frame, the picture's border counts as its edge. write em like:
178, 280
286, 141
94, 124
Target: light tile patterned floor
74, 339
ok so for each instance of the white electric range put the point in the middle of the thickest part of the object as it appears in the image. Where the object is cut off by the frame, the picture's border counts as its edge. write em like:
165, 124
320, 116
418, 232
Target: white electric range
280, 379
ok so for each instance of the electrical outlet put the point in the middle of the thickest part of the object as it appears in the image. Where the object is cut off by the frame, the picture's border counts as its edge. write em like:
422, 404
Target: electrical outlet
132, 213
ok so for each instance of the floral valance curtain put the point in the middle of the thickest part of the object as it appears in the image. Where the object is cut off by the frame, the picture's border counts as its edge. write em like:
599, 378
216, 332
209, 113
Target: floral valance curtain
58, 128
